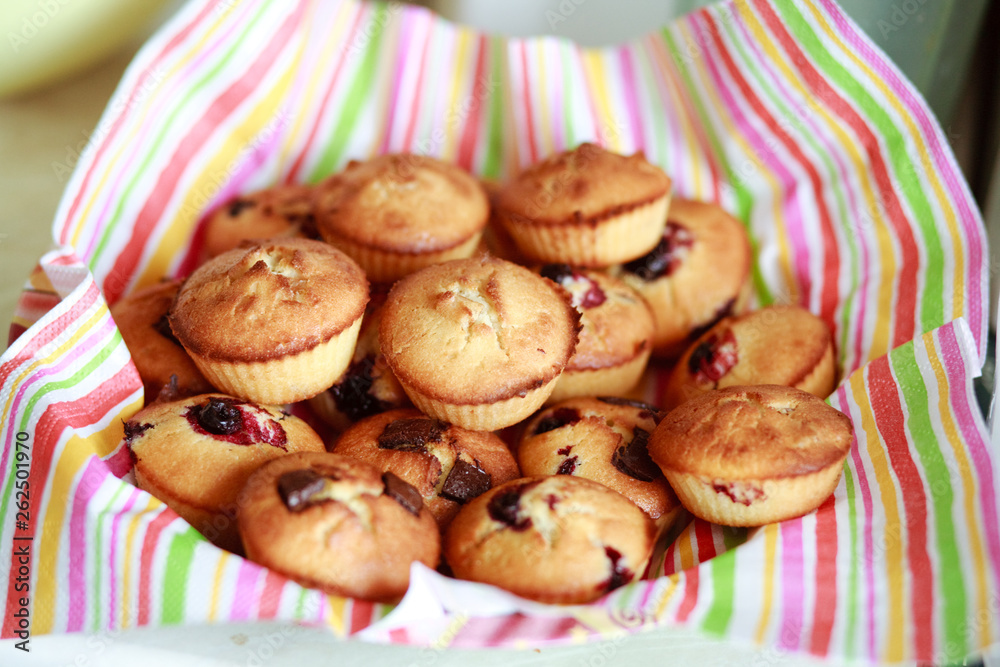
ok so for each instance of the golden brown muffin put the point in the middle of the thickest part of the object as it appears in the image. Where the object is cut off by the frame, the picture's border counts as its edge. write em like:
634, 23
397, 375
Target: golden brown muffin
273, 322
558, 539
615, 339
395, 214
142, 319
447, 464
196, 454
281, 210
586, 207
368, 387
698, 273
746, 456
602, 439
775, 345
338, 524
478, 342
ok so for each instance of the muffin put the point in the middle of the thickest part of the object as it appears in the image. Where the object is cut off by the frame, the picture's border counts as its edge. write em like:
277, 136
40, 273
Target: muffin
142, 320
555, 539
746, 456
479, 342
338, 524
586, 207
775, 345
616, 337
281, 210
698, 273
272, 322
196, 454
395, 214
604, 440
367, 387
447, 464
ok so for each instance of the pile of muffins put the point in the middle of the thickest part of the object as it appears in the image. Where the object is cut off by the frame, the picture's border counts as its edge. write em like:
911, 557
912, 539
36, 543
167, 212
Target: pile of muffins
402, 364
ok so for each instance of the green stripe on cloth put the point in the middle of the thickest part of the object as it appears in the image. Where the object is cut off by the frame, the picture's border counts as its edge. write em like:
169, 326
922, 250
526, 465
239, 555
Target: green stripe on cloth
937, 477
168, 130
934, 260
359, 90
175, 577
744, 200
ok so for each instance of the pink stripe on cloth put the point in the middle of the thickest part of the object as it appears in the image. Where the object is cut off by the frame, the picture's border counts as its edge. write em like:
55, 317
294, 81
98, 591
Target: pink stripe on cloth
128, 166
247, 592
761, 154
945, 165
959, 386
630, 86
113, 574
403, 40
90, 480
792, 585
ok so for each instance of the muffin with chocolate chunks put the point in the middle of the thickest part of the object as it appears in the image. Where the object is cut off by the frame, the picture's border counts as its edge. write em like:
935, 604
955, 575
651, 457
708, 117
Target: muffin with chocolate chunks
447, 464
558, 539
338, 524
602, 439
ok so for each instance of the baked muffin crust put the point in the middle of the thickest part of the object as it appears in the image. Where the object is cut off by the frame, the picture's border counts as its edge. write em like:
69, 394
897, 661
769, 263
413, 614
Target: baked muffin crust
269, 300
477, 331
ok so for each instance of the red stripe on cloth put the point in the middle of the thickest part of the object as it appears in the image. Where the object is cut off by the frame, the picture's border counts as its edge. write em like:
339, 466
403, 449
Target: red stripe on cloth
56, 418
362, 613
149, 542
293, 172
529, 124
891, 423
831, 252
109, 139
166, 184
909, 255
825, 606
270, 595
467, 144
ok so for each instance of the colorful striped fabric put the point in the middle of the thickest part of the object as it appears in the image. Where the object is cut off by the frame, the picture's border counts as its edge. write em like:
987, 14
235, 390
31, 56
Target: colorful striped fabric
781, 111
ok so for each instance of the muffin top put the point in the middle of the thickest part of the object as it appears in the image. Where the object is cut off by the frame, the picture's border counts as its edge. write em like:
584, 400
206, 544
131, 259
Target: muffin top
281, 210
204, 448
617, 323
336, 523
402, 203
774, 345
447, 464
587, 183
554, 538
752, 433
477, 330
602, 439
268, 299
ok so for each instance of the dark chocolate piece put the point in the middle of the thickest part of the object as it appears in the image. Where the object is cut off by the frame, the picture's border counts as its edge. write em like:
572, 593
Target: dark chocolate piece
352, 394
237, 206
666, 257
633, 458
162, 327
299, 487
557, 419
465, 482
411, 435
403, 493
656, 413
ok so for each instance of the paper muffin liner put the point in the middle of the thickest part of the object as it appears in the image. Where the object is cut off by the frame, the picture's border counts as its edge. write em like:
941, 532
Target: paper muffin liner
781, 111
